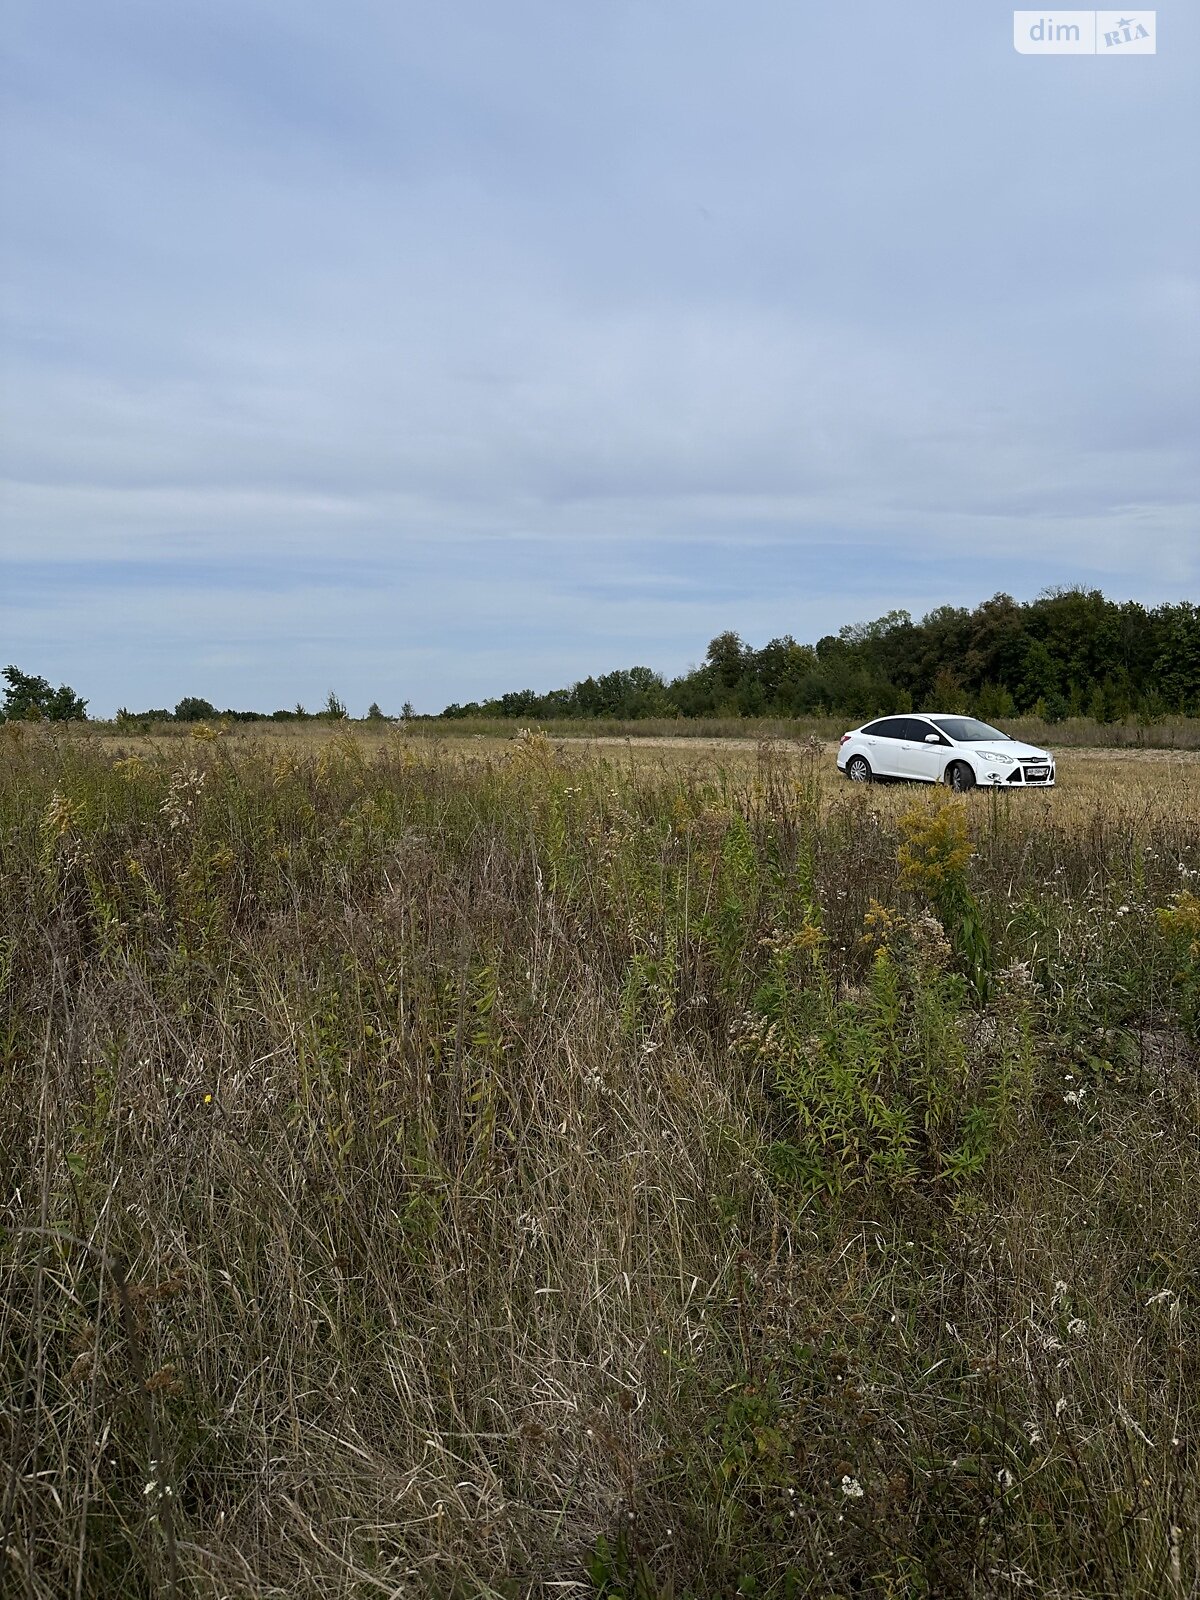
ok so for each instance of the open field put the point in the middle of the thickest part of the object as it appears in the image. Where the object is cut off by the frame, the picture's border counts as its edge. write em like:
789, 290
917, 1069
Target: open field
1172, 733
478, 1167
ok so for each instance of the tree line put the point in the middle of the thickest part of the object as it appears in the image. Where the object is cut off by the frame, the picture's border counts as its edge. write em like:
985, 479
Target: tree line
1070, 652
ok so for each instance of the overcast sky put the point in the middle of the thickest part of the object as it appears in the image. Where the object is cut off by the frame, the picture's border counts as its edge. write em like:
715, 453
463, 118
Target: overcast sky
427, 351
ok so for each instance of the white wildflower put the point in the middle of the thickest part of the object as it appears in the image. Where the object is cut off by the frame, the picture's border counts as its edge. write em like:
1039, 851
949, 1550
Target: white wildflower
852, 1489
1168, 1295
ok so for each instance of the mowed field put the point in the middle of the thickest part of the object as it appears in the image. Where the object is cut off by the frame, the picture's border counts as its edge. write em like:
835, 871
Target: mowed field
507, 1166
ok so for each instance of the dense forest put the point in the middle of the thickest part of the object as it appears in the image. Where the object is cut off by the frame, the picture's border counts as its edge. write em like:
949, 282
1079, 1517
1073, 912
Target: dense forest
1070, 652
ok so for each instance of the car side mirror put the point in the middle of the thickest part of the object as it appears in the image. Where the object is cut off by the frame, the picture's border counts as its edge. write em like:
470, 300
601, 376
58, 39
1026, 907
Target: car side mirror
933, 738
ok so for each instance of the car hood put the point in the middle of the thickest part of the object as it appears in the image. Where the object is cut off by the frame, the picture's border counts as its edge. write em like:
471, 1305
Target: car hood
1012, 747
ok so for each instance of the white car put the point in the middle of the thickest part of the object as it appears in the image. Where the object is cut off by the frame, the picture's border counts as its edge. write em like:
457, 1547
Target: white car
933, 748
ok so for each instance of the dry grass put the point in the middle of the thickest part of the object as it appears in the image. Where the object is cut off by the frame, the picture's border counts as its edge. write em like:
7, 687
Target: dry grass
409, 1183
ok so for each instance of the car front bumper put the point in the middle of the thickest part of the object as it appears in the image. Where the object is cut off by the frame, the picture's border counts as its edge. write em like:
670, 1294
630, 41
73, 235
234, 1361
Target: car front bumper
1025, 775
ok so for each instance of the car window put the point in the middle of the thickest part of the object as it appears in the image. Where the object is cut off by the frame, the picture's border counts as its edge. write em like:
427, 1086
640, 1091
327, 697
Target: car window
887, 728
966, 730
919, 730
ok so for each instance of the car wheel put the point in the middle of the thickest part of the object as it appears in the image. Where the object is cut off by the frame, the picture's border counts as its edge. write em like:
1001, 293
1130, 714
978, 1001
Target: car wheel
960, 777
858, 769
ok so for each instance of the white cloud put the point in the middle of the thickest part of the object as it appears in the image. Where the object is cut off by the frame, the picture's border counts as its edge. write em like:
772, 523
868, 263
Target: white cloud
404, 298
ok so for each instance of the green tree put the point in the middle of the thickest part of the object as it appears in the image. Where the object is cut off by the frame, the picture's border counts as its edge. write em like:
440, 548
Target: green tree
993, 703
997, 645
1177, 668
726, 656
1056, 653
28, 698
1039, 676
948, 693
192, 708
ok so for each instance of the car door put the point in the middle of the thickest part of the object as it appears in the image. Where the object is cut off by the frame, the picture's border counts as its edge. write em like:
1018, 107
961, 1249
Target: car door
883, 746
919, 758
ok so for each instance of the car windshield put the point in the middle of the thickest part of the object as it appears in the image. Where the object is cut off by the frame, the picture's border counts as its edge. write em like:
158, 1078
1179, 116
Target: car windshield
965, 730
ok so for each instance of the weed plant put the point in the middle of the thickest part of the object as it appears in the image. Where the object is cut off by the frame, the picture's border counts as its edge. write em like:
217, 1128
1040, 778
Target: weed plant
530, 1172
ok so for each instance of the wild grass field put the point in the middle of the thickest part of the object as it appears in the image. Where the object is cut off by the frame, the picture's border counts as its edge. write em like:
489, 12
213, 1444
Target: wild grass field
511, 1168
1128, 733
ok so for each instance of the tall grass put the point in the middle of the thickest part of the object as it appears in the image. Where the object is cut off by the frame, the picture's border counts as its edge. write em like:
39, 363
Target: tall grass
529, 1173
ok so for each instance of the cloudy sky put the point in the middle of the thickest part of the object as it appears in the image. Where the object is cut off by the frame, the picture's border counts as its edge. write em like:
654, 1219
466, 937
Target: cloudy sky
426, 351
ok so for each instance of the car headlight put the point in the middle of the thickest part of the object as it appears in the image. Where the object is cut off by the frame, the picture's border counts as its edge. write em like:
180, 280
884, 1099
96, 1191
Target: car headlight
994, 755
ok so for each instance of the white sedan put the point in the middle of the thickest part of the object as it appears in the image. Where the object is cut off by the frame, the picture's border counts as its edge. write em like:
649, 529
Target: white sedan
943, 749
